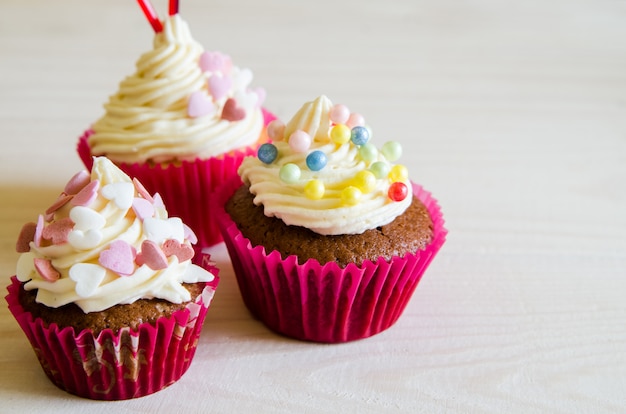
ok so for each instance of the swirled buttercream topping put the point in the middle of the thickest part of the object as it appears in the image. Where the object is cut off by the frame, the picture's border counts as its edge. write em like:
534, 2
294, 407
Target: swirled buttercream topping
107, 241
182, 103
322, 172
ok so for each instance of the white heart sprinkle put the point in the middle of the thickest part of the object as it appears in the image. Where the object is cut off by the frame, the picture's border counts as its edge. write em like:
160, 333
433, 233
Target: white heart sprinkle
159, 230
88, 277
121, 194
85, 218
241, 79
85, 240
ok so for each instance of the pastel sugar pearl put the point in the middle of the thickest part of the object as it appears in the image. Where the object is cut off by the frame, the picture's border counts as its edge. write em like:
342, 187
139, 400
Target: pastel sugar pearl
365, 181
391, 150
355, 120
359, 135
299, 141
289, 173
368, 152
380, 169
276, 130
339, 114
316, 160
398, 173
314, 189
398, 191
350, 195
340, 134
267, 153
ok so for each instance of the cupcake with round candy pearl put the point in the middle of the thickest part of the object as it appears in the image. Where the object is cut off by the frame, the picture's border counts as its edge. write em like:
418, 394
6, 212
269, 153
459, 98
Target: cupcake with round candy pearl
328, 236
181, 123
106, 290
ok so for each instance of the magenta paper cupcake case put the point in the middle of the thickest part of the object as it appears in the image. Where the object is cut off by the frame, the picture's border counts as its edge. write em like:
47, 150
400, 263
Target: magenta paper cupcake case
186, 188
325, 303
111, 366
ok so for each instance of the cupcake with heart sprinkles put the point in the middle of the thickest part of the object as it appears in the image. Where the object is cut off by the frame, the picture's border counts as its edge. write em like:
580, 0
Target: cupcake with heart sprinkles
181, 123
327, 235
108, 290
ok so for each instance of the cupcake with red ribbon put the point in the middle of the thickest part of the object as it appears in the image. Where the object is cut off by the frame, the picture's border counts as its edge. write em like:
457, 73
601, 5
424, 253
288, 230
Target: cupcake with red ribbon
328, 236
181, 123
108, 290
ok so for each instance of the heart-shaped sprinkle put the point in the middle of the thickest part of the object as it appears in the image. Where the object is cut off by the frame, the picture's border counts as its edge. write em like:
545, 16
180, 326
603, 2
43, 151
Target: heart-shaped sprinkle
58, 231
159, 230
121, 194
119, 258
152, 255
62, 200
199, 104
85, 218
182, 251
214, 62
38, 231
232, 112
241, 79
77, 182
189, 235
27, 235
158, 201
141, 190
88, 277
219, 85
261, 94
143, 208
87, 195
84, 240
46, 270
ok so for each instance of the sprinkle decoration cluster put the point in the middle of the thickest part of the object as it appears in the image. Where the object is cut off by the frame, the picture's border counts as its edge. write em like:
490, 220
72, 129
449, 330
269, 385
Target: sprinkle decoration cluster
83, 230
346, 128
221, 78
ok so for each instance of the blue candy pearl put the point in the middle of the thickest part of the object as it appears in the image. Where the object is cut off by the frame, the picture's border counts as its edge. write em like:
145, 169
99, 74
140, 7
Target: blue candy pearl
267, 153
359, 135
316, 160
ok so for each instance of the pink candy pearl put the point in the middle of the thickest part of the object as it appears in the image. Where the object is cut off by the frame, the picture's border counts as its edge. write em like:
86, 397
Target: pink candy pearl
276, 130
339, 114
299, 141
355, 120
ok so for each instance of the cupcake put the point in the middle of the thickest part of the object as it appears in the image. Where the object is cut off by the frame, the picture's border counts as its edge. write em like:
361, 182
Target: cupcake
106, 291
181, 123
328, 237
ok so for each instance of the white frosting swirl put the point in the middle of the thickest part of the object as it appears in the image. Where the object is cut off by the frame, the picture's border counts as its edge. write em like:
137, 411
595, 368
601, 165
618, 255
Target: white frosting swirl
329, 215
149, 119
107, 215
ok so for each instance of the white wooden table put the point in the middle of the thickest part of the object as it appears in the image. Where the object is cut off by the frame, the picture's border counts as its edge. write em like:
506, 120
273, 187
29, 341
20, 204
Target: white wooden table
512, 113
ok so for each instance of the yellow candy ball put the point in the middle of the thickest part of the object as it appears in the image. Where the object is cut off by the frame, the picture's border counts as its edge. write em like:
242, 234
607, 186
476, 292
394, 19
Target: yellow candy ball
365, 181
340, 134
350, 195
314, 189
398, 173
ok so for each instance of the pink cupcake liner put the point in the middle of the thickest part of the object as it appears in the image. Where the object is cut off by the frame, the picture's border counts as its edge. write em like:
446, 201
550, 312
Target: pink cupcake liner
326, 303
186, 188
110, 366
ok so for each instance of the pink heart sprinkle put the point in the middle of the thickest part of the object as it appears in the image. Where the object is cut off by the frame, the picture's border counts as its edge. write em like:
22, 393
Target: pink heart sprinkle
119, 258
87, 195
174, 247
27, 235
158, 201
58, 231
38, 231
232, 112
199, 105
152, 255
143, 208
77, 182
219, 85
215, 61
60, 202
188, 234
46, 270
141, 190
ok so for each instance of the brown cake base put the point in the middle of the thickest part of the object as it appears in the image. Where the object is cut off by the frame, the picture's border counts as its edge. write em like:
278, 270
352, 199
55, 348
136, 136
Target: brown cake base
114, 318
409, 232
